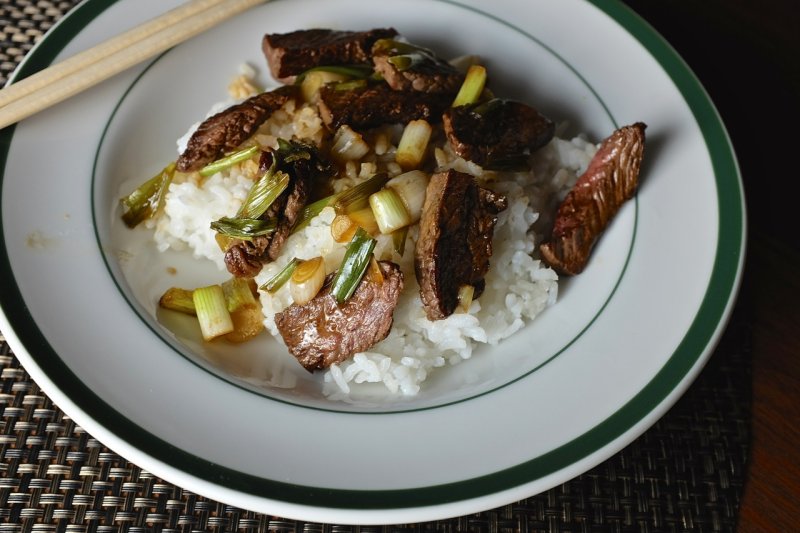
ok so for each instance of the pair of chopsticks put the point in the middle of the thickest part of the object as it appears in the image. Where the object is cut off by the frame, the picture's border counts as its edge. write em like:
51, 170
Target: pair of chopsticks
86, 69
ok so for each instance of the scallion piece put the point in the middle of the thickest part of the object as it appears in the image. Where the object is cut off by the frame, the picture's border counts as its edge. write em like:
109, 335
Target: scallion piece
243, 228
350, 71
263, 193
228, 161
146, 200
350, 85
355, 262
212, 312
390, 211
413, 144
399, 240
312, 210
472, 88
357, 197
177, 299
278, 280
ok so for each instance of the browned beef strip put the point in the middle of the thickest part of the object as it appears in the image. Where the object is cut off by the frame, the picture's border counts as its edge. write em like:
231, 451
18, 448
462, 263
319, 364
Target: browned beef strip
322, 332
495, 133
427, 72
378, 104
455, 239
290, 54
610, 180
228, 129
245, 259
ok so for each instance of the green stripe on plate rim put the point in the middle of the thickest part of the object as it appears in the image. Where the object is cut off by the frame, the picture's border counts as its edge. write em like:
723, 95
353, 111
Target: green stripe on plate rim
696, 344
171, 343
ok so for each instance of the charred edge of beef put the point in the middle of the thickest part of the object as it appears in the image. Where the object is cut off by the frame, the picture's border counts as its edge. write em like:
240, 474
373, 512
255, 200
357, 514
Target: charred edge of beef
378, 104
228, 129
321, 332
497, 133
455, 240
610, 180
246, 258
290, 54
427, 73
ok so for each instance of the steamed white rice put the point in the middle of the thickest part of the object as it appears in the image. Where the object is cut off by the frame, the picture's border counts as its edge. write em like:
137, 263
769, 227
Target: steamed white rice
518, 285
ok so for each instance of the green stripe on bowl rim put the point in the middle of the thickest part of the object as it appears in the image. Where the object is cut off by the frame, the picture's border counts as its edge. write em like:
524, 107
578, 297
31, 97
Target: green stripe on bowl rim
687, 359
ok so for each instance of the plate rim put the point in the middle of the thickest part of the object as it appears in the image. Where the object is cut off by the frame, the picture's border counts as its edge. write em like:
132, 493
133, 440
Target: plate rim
676, 374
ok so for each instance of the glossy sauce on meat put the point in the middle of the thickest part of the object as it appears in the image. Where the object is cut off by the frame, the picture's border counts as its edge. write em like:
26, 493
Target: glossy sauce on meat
322, 332
610, 180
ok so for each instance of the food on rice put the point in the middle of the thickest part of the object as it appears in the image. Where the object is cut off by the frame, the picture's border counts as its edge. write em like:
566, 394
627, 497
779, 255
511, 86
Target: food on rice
429, 298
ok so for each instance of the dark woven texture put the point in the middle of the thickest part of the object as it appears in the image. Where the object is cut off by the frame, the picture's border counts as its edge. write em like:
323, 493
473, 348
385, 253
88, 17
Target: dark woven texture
685, 474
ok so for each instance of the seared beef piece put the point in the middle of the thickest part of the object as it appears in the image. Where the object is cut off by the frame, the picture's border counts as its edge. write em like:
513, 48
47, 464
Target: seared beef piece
321, 332
228, 129
455, 240
290, 54
497, 133
244, 259
425, 71
378, 104
610, 180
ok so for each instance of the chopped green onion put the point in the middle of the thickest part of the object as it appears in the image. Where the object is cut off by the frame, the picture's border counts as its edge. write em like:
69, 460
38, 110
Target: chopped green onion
355, 262
291, 151
390, 211
350, 85
263, 193
228, 161
412, 188
212, 312
350, 71
243, 228
472, 88
278, 280
147, 199
357, 197
238, 293
465, 296
406, 61
348, 144
399, 240
307, 280
312, 210
413, 144
176, 299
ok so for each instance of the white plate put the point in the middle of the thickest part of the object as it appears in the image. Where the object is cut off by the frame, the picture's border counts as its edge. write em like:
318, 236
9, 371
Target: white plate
623, 343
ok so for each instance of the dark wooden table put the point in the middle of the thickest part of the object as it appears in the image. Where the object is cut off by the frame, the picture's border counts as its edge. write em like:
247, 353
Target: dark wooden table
747, 54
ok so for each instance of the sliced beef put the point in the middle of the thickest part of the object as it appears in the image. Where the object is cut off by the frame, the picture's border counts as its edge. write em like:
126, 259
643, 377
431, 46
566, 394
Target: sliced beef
290, 54
245, 259
368, 107
407, 67
321, 332
610, 180
455, 239
228, 129
498, 133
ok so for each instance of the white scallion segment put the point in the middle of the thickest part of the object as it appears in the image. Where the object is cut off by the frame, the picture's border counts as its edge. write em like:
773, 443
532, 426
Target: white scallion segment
465, 296
307, 280
348, 145
411, 187
413, 143
389, 210
212, 312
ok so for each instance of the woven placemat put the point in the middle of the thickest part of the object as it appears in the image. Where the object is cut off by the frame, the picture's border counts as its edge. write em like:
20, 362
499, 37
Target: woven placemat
685, 474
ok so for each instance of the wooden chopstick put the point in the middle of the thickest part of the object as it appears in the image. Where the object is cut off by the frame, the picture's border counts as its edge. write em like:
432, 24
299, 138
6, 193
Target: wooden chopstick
86, 69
